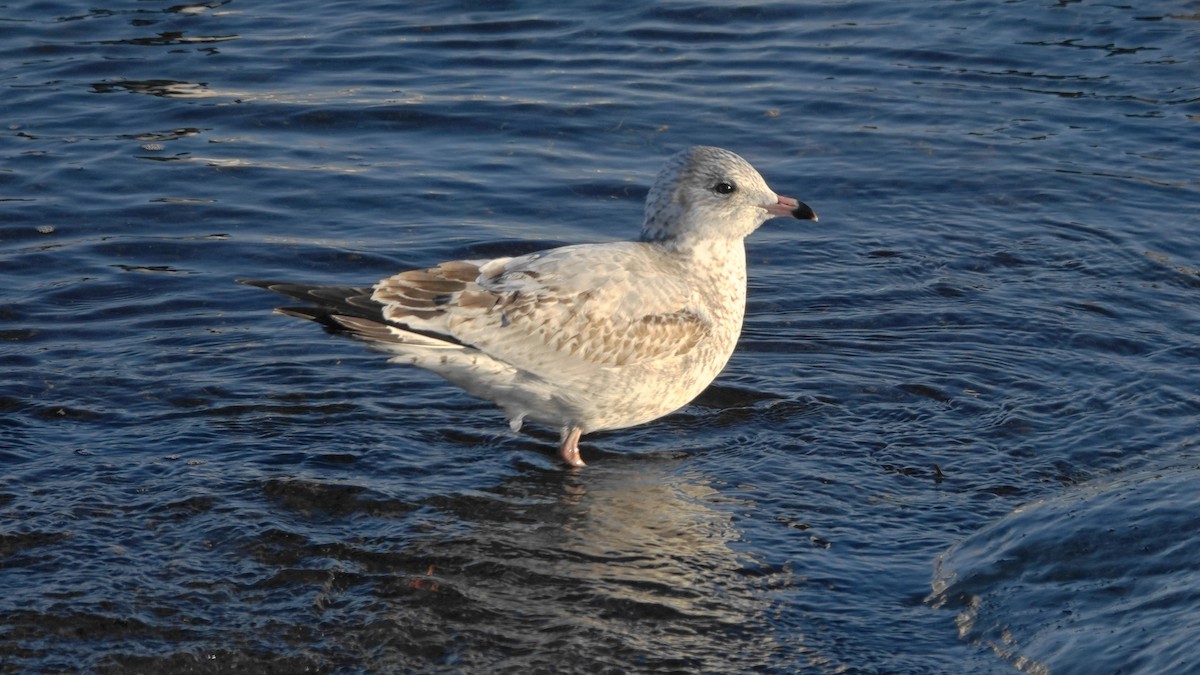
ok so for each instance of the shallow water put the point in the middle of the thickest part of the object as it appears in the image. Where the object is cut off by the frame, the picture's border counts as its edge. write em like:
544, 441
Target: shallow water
959, 435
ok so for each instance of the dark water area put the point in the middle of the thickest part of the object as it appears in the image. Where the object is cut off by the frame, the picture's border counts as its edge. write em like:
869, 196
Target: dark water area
961, 432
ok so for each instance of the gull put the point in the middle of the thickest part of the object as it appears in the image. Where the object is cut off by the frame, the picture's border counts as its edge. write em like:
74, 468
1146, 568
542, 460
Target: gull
580, 338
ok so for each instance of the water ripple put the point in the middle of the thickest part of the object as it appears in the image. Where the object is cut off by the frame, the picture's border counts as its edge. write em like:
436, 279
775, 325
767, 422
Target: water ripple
992, 328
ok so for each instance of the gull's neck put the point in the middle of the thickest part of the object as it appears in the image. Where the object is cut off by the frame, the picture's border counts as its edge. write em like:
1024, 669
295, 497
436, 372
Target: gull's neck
700, 248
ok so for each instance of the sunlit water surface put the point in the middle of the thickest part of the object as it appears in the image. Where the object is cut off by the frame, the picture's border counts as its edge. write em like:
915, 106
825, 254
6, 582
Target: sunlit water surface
960, 433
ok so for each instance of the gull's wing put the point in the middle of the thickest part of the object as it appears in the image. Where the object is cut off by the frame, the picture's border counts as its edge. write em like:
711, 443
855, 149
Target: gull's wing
578, 306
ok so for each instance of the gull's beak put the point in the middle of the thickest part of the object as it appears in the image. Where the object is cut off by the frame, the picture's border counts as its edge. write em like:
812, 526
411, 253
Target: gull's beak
786, 206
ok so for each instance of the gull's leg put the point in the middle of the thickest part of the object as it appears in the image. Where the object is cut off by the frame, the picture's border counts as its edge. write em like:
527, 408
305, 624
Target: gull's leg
569, 448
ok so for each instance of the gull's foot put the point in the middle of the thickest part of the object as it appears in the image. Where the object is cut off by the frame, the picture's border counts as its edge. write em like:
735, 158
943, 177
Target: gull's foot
569, 449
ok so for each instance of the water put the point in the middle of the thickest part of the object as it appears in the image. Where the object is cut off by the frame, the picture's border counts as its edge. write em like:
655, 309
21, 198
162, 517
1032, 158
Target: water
959, 435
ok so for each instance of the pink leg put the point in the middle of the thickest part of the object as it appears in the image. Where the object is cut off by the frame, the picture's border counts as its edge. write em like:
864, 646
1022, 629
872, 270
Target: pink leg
569, 449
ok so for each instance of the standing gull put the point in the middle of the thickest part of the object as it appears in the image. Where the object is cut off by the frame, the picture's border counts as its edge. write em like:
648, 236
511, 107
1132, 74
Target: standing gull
587, 337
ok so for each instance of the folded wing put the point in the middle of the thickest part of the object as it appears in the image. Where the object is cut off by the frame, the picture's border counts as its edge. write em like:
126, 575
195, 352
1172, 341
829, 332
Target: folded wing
547, 313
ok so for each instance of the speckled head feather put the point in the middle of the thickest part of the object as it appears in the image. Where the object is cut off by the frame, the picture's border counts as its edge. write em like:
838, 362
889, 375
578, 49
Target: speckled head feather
706, 193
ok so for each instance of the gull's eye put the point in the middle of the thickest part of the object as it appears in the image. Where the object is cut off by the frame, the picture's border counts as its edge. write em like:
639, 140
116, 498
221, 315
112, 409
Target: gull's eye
724, 188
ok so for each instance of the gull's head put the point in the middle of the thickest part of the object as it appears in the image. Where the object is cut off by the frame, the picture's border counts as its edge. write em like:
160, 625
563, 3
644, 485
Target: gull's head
710, 193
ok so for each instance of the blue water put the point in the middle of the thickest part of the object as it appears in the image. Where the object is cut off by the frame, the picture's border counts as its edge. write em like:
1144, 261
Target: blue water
961, 433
